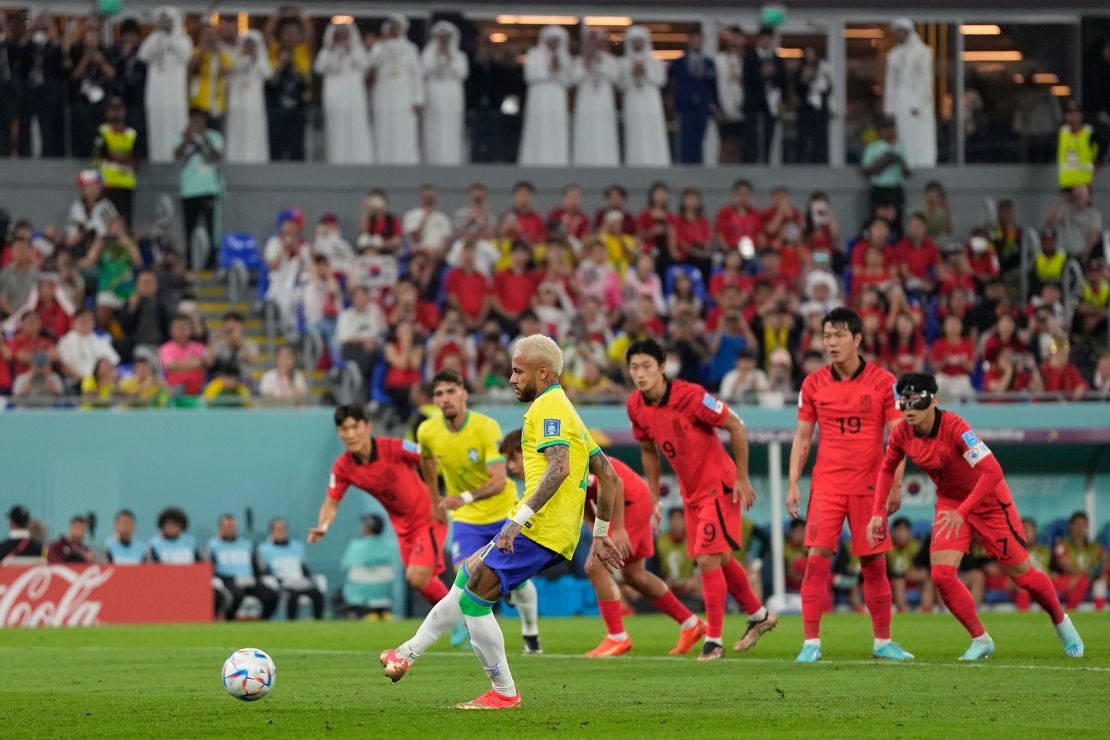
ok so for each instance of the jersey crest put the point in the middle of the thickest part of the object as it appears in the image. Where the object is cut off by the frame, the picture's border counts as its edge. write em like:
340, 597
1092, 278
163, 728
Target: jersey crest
865, 403
472, 455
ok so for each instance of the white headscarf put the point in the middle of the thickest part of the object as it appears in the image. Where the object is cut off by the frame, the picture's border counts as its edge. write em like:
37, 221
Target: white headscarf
353, 35
261, 55
178, 24
638, 33
555, 32
440, 27
400, 20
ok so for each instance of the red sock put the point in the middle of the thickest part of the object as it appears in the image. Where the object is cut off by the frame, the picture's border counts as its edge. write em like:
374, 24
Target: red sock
957, 598
669, 604
815, 583
737, 579
1038, 586
611, 613
434, 591
1022, 599
876, 594
715, 593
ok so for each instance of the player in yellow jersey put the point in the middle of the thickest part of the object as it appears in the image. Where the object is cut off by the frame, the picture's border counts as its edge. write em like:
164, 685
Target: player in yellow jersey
542, 530
462, 446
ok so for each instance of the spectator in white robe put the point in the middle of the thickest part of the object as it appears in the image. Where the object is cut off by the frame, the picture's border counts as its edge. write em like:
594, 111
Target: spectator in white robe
642, 79
247, 139
445, 71
548, 72
595, 107
908, 95
166, 53
342, 63
397, 95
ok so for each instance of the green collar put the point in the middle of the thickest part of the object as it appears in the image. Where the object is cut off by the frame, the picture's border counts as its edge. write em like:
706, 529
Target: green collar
466, 420
550, 388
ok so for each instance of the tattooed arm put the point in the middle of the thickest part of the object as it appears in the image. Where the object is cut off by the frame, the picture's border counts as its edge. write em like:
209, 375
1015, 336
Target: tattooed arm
558, 468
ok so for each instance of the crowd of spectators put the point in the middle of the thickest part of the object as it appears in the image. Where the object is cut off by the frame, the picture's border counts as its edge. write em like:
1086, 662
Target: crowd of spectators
737, 291
272, 571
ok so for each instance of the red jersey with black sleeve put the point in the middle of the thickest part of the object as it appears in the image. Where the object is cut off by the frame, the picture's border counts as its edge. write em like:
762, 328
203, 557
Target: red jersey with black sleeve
391, 476
851, 415
683, 423
958, 462
637, 495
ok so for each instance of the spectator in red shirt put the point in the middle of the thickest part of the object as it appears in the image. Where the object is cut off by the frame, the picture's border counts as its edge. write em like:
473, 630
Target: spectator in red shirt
1005, 335
780, 213
795, 254
739, 220
657, 227
954, 275
72, 548
821, 229
982, 260
953, 357
876, 235
1060, 376
411, 308
906, 348
468, 289
56, 318
514, 287
452, 347
770, 270
1012, 372
29, 340
616, 199
692, 235
405, 357
380, 229
575, 222
530, 225
874, 271
917, 256
731, 274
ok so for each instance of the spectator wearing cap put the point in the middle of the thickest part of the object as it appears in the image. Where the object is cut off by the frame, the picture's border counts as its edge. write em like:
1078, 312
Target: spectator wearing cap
144, 389
90, 215
227, 388
228, 345
20, 547
886, 167
1060, 375
183, 360
1076, 150
1077, 222
71, 547
426, 227
370, 564
284, 559
18, 279
81, 347
199, 150
39, 383
114, 154
122, 548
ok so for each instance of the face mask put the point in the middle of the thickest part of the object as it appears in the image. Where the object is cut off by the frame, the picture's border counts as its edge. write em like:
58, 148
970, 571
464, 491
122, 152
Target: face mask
924, 398
672, 368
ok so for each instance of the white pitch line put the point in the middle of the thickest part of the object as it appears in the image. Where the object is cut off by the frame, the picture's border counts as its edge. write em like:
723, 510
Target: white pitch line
893, 665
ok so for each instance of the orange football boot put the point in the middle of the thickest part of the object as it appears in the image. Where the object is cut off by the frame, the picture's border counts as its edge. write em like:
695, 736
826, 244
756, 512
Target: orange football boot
491, 700
610, 648
687, 639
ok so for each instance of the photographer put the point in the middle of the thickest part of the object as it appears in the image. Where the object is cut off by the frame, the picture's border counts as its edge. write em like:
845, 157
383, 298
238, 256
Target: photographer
198, 153
1013, 372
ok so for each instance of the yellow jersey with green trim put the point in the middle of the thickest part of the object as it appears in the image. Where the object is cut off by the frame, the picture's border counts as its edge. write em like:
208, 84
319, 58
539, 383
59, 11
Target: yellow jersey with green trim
463, 459
552, 420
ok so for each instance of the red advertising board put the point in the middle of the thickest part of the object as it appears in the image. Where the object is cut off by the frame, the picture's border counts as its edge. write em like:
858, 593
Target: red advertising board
83, 595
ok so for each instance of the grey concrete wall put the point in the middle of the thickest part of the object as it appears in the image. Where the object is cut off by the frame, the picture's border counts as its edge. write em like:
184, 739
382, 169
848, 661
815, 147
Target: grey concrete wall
43, 190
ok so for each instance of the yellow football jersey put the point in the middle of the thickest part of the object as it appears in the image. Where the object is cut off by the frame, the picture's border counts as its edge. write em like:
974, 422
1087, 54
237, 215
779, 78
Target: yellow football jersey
463, 459
552, 420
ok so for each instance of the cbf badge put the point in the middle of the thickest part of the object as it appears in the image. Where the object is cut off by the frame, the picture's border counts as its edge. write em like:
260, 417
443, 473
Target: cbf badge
472, 455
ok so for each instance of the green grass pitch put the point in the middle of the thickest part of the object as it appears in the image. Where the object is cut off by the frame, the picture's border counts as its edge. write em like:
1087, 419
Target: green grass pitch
165, 682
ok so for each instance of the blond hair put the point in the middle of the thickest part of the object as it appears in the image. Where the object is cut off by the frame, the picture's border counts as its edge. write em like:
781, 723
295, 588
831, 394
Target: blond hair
542, 350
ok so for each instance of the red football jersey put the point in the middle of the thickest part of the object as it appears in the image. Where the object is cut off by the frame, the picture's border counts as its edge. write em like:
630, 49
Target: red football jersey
637, 495
391, 476
684, 425
851, 414
951, 454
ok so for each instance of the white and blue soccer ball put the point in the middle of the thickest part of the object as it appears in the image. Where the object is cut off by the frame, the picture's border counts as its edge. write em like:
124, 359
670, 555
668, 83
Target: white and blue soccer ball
249, 674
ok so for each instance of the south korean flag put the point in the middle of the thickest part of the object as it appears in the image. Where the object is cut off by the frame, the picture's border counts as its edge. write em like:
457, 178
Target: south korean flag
976, 450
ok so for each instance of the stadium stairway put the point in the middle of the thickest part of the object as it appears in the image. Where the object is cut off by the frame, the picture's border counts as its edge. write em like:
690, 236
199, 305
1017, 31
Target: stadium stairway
213, 302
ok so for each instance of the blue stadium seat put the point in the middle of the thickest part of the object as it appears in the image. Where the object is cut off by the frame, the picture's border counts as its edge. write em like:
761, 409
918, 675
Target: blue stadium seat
921, 529
239, 246
1057, 529
377, 383
695, 277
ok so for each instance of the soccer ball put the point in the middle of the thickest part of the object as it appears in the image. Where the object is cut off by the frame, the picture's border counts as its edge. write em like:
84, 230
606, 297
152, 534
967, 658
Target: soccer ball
249, 674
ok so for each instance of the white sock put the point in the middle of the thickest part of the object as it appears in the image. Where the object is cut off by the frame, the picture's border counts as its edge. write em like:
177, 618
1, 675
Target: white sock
816, 642
985, 637
715, 640
619, 636
489, 646
690, 622
439, 622
881, 643
526, 600
758, 616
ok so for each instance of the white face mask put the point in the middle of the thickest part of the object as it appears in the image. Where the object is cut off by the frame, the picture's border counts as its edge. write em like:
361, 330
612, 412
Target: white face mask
672, 368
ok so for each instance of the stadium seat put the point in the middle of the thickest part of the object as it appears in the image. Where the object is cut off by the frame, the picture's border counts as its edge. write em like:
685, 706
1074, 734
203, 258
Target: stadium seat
921, 529
1056, 530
